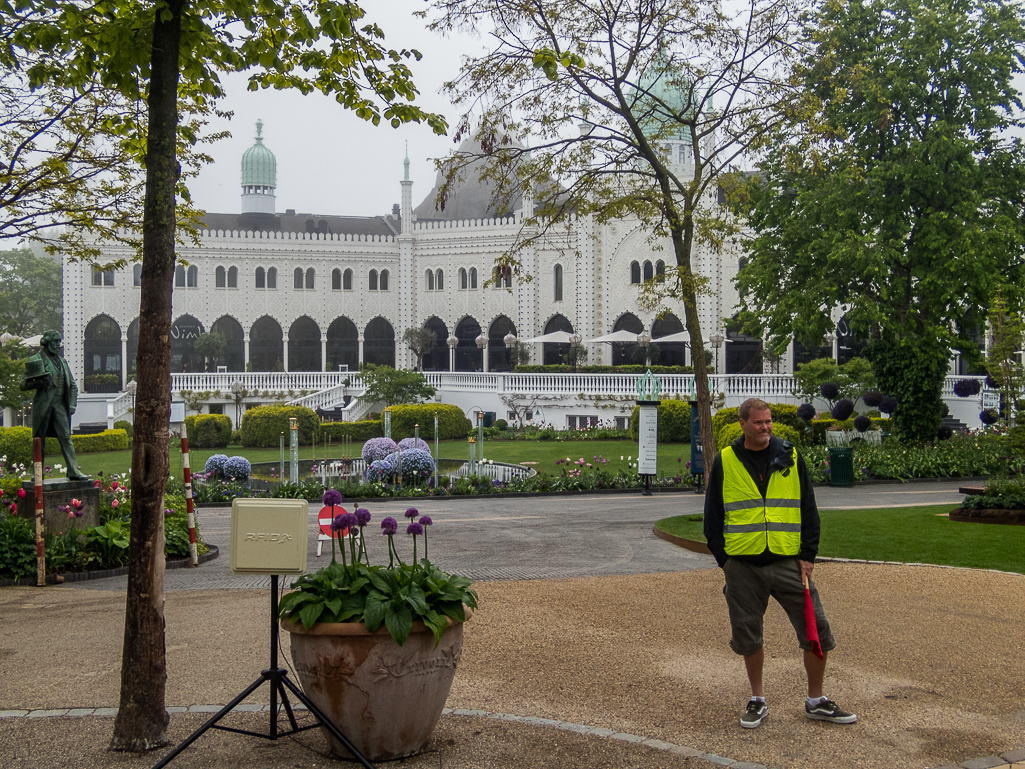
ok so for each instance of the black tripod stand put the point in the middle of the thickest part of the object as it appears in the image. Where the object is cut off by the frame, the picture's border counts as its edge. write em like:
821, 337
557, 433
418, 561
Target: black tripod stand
279, 682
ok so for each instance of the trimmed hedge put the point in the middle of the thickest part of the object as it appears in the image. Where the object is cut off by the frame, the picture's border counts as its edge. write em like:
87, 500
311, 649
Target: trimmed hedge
128, 427
357, 431
673, 422
452, 422
731, 432
262, 426
563, 368
16, 444
208, 431
782, 414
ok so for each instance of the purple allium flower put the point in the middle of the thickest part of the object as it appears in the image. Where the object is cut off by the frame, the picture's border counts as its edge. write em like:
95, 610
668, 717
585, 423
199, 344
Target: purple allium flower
425, 520
829, 390
337, 524
362, 516
349, 521
412, 512
332, 497
862, 423
872, 398
806, 412
843, 409
416, 529
389, 526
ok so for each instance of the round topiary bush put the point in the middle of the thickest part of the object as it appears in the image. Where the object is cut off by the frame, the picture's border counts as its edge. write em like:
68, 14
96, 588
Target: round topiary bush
862, 423
215, 464
991, 383
829, 390
872, 398
406, 444
989, 417
806, 412
843, 409
888, 404
237, 469
378, 448
966, 388
501, 424
416, 465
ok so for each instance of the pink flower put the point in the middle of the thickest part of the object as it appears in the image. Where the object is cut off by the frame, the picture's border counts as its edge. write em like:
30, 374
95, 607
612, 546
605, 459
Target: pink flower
115, 484
71, 513
114, 503
21, 493
97, 484
14, 509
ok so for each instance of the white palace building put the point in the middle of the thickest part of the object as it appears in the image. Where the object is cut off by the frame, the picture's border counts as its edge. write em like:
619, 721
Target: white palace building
304, 299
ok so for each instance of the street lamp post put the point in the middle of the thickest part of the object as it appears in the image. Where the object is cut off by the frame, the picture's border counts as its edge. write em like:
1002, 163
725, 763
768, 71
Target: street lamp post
453, 343
510, 343
237, 390
644, 339
482, 343
130, 388
716, 339
830, 339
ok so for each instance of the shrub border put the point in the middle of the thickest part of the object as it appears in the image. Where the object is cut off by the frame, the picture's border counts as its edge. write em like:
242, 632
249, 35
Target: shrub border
83, 576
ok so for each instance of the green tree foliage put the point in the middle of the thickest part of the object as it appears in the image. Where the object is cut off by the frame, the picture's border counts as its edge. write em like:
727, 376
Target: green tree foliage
605, 92
394, 386
165, 54
1007, 335
210, 345
30, 293
421, 342
894, 188
852, 378
12, 366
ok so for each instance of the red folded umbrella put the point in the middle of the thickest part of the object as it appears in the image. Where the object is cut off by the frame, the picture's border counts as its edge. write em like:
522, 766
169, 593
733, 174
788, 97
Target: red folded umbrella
810, 624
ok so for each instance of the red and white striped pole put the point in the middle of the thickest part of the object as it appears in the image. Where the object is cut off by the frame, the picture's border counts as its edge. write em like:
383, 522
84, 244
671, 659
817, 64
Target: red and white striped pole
37, 462
193, 551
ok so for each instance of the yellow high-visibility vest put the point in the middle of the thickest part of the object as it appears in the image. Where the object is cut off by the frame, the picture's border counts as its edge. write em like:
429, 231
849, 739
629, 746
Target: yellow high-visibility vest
754, 523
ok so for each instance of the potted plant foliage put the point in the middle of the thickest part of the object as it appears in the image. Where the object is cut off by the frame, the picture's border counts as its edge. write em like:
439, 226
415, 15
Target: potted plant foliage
376, 647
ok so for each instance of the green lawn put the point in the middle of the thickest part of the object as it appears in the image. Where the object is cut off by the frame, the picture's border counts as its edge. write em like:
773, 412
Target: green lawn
543, 453
907, 534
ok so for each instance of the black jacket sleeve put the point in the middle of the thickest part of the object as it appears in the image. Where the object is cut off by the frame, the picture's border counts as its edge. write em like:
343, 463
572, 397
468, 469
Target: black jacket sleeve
715, 513
810, 525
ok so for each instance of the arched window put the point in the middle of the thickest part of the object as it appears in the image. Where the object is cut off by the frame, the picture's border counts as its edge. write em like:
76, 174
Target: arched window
624, 353
297, 278
137, 275
384, 280
660, 267
502, 276
234, 356
304, 346
260, 282
102, 355
311, 278
272, 277
193, 277
266, 345
342, 345
558, 283
220, 278
635, 272
439, 279
742, 263
429, 277
233, 277
473, 277
462, 278
347, 280
648, 271
179, 277
336, 279
373, 280
379, 343
437, 359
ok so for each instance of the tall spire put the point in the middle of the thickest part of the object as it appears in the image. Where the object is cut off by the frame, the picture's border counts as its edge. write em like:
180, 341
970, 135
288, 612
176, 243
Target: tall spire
259, 176
405, 163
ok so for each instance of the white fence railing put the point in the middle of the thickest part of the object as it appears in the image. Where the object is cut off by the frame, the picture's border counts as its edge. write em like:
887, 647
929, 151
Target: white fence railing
273, 381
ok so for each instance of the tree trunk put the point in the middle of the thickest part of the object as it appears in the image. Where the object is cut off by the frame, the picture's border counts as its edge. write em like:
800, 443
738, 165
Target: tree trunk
141, 722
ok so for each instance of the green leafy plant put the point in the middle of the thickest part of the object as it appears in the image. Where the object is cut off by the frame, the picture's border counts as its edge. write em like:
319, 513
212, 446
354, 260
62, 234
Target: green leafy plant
395, 595
107, 545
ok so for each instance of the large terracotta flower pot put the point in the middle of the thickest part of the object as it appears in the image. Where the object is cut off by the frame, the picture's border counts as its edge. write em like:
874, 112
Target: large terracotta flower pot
385, 698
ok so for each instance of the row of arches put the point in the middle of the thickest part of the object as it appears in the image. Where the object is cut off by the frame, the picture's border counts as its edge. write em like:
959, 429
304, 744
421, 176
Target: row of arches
227, 277
647, 270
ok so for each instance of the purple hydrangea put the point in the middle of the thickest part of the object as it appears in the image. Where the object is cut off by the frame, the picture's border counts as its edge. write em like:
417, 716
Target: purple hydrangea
389, 526
362, 516
332, 497
872, 398
862, 423
378, 448
416, 529
806, 412
407, 444
425, 520
412, 512
829, 391
843, 409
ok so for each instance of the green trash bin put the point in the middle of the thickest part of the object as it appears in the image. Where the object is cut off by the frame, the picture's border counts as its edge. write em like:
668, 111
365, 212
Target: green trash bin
841, 466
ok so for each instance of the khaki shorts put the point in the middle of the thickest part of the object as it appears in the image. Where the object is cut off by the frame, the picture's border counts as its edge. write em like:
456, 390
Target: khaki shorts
748, 588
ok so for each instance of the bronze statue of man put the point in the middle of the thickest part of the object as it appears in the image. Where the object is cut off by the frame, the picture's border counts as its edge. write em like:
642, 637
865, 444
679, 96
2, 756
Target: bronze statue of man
56, 399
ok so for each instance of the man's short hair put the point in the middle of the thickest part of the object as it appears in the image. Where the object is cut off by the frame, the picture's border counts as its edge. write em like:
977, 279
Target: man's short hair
50, 336
751, 404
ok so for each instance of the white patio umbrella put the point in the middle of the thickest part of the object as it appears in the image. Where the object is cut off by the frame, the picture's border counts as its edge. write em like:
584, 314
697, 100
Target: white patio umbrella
615, 336
679, 336
555, 337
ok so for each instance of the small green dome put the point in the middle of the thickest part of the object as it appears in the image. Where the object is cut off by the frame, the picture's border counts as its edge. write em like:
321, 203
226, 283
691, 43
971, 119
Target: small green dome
259, 166
669, 93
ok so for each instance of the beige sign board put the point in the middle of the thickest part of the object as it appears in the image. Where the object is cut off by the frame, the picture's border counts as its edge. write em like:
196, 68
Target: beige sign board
269, 536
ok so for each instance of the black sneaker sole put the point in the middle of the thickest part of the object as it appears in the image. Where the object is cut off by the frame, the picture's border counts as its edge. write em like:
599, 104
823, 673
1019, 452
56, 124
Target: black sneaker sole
852, 718
755, 724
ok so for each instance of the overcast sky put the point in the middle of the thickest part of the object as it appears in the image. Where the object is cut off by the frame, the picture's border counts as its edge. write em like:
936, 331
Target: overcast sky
329, 161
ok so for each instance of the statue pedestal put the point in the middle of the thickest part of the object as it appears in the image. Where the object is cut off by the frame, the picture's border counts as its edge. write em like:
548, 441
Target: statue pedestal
60, 491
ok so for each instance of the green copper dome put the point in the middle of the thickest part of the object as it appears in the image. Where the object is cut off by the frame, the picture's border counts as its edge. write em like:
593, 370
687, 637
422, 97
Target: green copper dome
259, 166
669, 95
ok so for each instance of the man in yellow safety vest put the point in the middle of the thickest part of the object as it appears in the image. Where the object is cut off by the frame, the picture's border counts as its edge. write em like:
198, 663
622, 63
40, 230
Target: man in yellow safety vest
762, 526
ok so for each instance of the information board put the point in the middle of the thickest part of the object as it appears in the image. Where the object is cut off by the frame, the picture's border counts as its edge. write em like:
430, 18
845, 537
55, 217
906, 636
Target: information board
647, 438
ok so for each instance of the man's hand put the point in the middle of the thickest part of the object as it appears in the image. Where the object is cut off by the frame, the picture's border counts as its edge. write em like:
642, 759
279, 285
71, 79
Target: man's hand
806, 569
